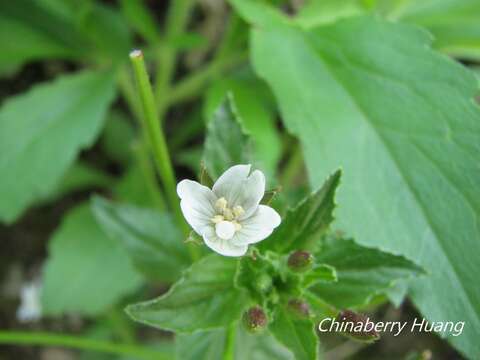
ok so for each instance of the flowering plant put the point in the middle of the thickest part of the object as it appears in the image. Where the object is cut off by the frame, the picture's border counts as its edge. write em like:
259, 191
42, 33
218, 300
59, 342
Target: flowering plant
329, 156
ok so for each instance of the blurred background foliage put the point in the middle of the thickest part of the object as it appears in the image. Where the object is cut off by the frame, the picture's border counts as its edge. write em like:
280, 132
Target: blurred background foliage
68, 95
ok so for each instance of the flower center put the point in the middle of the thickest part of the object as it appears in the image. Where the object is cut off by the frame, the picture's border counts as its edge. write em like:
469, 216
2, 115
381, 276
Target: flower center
227, 220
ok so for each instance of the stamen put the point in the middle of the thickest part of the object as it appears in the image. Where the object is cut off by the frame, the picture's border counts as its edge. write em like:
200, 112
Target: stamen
238, 211
228, 214
221, 204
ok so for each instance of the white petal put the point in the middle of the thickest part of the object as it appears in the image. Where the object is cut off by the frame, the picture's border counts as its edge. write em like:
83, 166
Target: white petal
233, 177
197, 204
223, 247
240, 189
258, 226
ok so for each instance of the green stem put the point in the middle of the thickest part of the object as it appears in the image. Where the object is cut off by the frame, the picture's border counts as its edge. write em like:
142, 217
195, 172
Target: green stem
128, 92
154, 133
60, 340
157, 141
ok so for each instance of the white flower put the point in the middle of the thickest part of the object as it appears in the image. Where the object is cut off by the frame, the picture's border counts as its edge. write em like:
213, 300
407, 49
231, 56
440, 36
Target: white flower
229, 217
30, 308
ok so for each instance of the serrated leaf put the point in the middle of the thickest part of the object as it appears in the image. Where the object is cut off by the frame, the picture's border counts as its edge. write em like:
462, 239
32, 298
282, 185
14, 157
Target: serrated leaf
226, 144
204, 298
321, 273
151, 239
295, 333
307, 221
362, 272
371, 96
254, 105
86, 272
41, 133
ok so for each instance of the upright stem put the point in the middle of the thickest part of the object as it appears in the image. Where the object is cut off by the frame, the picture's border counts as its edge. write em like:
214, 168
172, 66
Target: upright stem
60, 340
155, 135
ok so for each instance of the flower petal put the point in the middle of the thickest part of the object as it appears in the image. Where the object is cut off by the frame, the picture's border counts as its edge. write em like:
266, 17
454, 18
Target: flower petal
258, 226
223, 247
240, 189
232, 178
197, 204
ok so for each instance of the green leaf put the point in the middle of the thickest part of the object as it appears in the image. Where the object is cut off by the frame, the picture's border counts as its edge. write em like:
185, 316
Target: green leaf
30, 31
150, 238
322, 273
201, 345
455, 24
140, 18
80, 176
254, 105
204, 298
106, 30
295, 333
319, 12
214, 344
306, 222
226, 144
118, 137
362, 272
371, 96
41, 133
86, 272
259, 347
134, 188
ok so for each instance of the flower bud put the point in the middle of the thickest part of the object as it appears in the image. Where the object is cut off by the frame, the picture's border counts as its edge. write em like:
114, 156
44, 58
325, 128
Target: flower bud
368, 333
300, 261
263, 283
255, 319
299, 308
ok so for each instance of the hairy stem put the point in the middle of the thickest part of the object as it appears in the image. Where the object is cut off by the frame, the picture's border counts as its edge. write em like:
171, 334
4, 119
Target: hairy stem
60, 340
129, 94
157, 141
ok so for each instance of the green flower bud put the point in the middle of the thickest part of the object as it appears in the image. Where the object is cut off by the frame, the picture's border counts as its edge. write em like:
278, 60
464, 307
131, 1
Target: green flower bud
299, 307
255, 319
263, 283
300, 261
